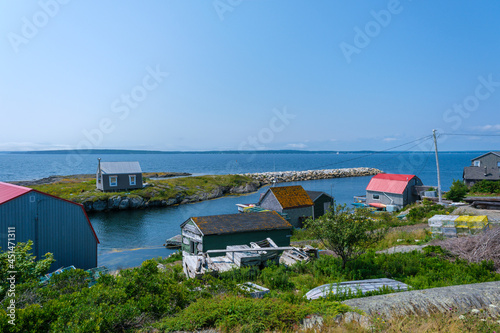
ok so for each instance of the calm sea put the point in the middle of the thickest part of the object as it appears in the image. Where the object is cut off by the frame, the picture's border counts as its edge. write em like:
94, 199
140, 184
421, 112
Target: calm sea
130, 237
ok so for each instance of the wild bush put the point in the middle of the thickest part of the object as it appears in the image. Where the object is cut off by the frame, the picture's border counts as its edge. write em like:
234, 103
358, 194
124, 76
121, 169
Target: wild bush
457, 192
486, 186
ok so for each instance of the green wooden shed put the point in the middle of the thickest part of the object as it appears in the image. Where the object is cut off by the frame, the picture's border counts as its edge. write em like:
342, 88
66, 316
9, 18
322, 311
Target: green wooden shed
203, 233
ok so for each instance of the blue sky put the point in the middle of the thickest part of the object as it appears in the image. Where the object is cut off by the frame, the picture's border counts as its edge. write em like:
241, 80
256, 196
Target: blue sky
231, 74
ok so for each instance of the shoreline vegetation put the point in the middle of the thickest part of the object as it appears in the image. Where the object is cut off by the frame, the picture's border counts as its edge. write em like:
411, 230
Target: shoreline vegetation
165, 189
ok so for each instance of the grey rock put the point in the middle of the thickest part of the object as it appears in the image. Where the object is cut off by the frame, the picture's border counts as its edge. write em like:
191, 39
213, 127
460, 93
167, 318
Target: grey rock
462, 298
99, 205
124, 204
136, 202
87, 205
114, 202
312, 322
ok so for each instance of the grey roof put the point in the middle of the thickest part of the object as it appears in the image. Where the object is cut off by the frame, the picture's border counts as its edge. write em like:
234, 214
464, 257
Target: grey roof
120, 167
316, 194
478, 173
491, 152
240, 222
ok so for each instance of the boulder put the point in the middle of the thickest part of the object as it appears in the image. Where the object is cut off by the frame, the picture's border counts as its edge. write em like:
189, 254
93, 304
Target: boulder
136, 202
99, 205
124, 204
114, 202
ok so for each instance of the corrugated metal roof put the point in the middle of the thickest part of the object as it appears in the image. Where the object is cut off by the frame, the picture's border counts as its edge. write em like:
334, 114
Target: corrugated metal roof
292, 196
234, 223
389, 183
11, 191
120, 167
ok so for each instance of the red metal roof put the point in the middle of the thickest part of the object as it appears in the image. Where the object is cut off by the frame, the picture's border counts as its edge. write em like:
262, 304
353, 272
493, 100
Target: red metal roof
389, 183
11, 191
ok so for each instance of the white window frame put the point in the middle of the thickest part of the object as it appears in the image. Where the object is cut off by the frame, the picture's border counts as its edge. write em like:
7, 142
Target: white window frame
130, 177
477, 163
498, 164
115, 183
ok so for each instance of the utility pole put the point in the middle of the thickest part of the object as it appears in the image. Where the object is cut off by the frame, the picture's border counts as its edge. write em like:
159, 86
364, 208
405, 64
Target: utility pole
437, 164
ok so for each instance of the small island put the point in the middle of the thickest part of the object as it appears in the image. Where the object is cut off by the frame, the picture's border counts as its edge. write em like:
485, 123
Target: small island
163, 189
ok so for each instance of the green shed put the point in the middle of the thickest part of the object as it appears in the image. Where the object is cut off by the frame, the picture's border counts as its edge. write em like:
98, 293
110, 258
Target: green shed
203, 233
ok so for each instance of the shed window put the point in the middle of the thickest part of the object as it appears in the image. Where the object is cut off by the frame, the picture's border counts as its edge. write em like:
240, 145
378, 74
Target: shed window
131, 179
113, 180
477, 163
498, 164
376, 197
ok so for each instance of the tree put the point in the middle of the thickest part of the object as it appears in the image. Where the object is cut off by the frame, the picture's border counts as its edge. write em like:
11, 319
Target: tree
346, 232
457, 191
21, 264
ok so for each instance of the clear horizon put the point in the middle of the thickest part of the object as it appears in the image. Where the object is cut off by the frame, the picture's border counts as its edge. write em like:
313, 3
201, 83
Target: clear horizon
240, 75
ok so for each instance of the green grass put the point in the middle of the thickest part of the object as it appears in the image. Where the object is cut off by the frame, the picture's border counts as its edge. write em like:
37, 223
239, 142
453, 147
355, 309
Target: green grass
80, 190
145, 297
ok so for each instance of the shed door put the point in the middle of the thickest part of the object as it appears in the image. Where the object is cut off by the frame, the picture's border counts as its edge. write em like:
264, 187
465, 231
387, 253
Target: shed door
193, 247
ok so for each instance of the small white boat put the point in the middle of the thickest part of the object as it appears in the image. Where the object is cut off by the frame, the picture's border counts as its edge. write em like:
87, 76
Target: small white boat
354, 287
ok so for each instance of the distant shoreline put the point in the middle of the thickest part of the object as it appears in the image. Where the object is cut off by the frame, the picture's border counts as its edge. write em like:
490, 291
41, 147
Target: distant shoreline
288, 151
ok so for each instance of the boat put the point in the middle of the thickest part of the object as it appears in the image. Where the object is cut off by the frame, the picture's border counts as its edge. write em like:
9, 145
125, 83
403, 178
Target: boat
354, 287
378, 205
360, 201
242, 207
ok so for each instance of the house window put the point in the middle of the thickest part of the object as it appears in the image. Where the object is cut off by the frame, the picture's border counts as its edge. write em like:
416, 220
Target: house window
477, 163
376, 197
498, 164
113, 180
131, 179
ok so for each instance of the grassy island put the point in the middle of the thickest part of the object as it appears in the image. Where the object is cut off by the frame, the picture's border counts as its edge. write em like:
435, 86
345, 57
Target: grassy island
158, 192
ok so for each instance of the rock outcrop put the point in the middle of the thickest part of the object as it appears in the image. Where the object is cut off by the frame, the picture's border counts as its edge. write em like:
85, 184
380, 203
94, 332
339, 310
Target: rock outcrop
460, 298
294, 176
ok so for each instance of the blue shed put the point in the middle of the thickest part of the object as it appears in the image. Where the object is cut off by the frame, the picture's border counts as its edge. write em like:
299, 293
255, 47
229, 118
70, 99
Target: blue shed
53, 224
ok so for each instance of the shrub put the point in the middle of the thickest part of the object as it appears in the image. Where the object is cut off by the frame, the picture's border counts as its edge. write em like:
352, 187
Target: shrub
486, 186
346, 232
457, 192
426, 210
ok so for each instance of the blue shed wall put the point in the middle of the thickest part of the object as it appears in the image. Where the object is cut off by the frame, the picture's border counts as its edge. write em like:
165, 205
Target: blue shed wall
54, 225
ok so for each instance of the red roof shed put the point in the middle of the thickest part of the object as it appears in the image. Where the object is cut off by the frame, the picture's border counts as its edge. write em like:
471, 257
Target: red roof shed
389, 183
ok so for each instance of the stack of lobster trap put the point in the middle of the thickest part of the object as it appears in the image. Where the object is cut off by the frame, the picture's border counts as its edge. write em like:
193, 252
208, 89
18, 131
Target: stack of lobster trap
457, 226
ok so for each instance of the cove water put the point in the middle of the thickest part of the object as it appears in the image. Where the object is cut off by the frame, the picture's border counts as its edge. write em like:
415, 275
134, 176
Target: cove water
129, 237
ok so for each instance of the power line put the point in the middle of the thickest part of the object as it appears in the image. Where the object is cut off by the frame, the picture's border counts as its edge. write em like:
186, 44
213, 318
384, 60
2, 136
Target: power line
424, 138
464, 134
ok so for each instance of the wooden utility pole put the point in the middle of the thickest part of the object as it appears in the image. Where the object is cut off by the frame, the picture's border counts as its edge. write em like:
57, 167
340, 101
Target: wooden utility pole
437, 165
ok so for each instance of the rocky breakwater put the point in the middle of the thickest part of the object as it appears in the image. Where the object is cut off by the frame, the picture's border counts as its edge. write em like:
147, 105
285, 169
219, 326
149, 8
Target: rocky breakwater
132, 201
293, 176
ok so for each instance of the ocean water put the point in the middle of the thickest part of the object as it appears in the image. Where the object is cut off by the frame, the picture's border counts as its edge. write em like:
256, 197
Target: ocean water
129, 237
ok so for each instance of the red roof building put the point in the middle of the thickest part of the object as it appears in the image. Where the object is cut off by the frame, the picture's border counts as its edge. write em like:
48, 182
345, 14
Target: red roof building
392, 189
55, 225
